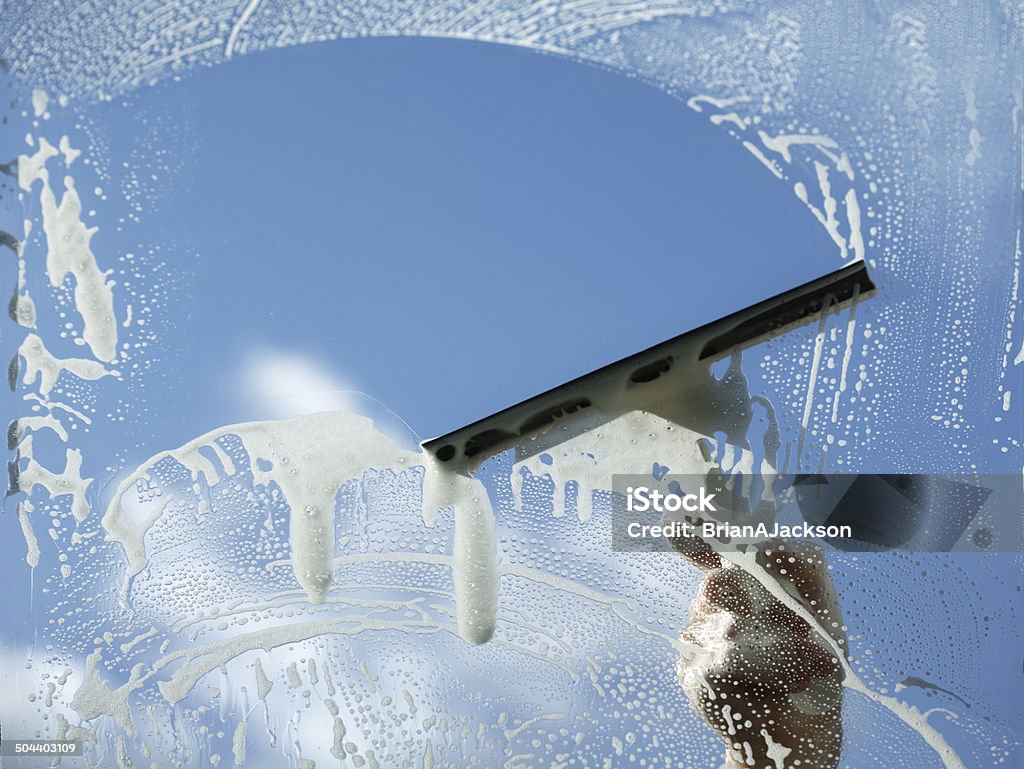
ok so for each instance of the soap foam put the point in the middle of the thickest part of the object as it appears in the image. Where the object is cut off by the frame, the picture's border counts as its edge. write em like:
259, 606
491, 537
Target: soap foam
68, 249
309, 458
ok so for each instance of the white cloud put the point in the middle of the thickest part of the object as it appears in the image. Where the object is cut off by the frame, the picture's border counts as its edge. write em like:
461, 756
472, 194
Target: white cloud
30, 681
279, 384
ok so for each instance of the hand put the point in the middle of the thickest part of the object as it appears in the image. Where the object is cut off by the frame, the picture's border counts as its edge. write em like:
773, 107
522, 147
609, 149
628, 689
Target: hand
765, 680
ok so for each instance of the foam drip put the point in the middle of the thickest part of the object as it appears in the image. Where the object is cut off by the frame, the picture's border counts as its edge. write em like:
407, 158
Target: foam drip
309, 458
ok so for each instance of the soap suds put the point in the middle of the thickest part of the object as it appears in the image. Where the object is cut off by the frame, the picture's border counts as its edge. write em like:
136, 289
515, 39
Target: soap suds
31, 543
68, 249
42, 365
68, 482
308, 458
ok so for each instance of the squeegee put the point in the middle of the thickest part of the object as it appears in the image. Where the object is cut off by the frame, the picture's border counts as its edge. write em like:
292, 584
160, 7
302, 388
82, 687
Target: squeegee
658, 378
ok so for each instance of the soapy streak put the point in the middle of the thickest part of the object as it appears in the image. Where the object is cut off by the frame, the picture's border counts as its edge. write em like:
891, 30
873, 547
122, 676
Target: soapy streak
827, 218
617, 605
513, 733
185, 678
411, 605
94, 697
851, 326
69, 252
68, 482
694, 102
42, 365
1019, 358
754, 150
812, 382
51, 405
781, 144
236, 28
24, 425
520, 649
828, 147
342, 446
32, 551
294, 599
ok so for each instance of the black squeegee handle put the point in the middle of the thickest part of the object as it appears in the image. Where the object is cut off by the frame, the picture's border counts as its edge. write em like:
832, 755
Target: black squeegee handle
708, 342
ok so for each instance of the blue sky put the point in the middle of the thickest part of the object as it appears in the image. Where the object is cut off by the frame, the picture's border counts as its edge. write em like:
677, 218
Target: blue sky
448, 226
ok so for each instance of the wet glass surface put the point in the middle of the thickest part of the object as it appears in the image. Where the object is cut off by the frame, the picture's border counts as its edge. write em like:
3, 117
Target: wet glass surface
221, 221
